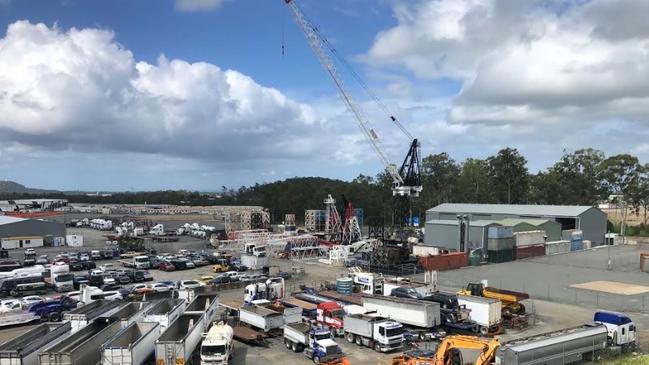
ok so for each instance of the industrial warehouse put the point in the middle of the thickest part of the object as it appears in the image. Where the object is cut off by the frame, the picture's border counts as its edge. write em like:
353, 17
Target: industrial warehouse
466, 183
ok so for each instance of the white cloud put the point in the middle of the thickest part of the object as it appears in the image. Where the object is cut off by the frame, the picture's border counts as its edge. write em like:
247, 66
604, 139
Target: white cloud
80, 90
198, 5
551, 65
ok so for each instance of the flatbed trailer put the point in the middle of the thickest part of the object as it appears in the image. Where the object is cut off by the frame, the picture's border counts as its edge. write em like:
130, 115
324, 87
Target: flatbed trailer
23, 350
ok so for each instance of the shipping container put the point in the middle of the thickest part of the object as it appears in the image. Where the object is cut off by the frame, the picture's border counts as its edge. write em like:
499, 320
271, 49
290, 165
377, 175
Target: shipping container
499, 244
449, 261
557, 247
500, 232
496, 257
486, 312
523, 252
529, 238
412, 312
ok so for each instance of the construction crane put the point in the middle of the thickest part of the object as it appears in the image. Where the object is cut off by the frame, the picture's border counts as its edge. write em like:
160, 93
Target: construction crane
448, 352
406, 180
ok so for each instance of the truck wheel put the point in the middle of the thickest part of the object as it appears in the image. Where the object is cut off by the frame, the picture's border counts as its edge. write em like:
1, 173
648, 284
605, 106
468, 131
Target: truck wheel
484, 330
422, 336
294, 347
359, 340
316, 360
475, 329
55, 317
287, 344
349, 337
377, 347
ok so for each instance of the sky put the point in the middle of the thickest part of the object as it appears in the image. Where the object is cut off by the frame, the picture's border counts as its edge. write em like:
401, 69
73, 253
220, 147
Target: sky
200, 94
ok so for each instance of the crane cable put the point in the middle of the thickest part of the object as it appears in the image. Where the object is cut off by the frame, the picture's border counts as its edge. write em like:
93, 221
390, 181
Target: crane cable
360, 81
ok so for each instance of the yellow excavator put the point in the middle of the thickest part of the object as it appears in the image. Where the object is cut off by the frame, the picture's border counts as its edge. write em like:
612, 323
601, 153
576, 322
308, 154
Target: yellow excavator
448, 352
511, 300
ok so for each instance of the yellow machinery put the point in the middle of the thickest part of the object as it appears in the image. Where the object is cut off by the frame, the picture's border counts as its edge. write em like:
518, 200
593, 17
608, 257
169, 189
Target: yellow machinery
448, 352
511, 300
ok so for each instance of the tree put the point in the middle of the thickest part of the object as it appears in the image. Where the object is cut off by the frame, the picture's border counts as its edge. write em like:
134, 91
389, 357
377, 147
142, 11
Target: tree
639, 194
619, 174
473, 182
546, 188
508, 176
439, 176
577, 178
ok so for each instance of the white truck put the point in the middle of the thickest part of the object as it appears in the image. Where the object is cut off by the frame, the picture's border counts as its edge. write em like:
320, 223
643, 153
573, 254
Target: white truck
132, 345
140, 262
379, 333
316, 342
261, 318
486, 312
177, 343
59, 278
421, 317
271, 289
216, 347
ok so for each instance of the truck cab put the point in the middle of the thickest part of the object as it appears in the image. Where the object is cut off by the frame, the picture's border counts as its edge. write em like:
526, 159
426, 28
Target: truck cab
369, 283
389, 335
142, 262
272, 289
621, 329
330, 315
322, 348
216, 347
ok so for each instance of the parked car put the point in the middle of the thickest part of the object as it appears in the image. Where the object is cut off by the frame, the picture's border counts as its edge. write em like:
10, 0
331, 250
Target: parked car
88, 265
170, 283
221, 279
233, 275
42, 260
141, 289
109, 287
405, 292
75, 266
10, 305
109, 279
107, 267
238, 267
159, 287
84, 257
147, 276
30, 252
166, 266
28, 300
199, 261
189, 284
122, 278
29, 261
80, 279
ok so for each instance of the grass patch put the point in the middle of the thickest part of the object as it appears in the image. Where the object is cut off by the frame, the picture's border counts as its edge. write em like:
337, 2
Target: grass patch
627, 360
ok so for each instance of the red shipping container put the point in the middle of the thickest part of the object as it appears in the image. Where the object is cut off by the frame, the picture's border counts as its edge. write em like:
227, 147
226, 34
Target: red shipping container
449, 261
523, 252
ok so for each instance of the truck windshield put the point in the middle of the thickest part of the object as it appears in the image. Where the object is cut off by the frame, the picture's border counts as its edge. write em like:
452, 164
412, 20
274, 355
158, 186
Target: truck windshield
322, 336
64, 277
212, 350
338, 313
391, 332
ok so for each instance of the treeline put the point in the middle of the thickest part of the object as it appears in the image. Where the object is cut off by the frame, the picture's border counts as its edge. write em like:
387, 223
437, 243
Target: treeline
582, 177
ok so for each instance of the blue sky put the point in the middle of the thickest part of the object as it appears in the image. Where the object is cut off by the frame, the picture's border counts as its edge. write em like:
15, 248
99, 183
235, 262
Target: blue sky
99, 108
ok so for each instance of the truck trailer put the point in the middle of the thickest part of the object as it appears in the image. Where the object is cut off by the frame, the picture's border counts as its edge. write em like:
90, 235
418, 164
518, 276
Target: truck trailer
82, 347
164, 311
84, 314
206, 304
132, 345
486, 312
129, 313
421, 317
177, 343
261, 318
23, 350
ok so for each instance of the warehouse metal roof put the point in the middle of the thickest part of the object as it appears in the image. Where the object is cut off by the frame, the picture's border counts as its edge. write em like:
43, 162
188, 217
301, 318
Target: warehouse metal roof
4, 219
511, 222
518, 209
452, 222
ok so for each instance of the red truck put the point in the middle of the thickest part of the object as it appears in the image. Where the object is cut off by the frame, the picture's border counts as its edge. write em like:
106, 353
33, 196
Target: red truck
330, 315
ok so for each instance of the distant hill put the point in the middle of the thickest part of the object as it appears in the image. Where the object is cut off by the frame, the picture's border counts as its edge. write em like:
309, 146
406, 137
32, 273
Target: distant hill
11, 187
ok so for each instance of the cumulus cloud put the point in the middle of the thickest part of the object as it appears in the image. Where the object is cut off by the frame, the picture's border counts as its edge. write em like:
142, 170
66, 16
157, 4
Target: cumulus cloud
540, 63
80, 90
197, 5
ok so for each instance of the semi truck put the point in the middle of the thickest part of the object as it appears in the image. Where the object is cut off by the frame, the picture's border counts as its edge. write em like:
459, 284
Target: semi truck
23, 350
422, 318
140, 262
132, 345
332, 316
177, 343
81, 316
271, 289
315, 342
53, 310
264, 319
378, 333
82, 347
486, 312
164, 311
216, 347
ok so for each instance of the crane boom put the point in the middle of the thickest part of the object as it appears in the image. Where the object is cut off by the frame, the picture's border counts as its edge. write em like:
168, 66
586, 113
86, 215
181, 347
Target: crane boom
404, 181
